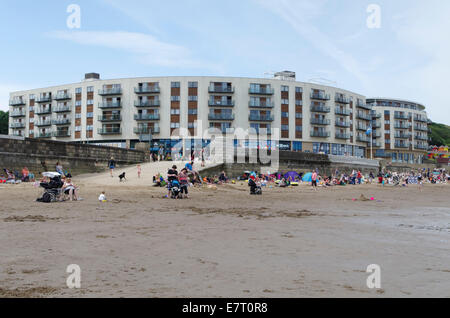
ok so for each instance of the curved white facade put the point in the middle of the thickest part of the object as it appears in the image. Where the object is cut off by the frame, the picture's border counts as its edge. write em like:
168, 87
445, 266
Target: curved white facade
311, 117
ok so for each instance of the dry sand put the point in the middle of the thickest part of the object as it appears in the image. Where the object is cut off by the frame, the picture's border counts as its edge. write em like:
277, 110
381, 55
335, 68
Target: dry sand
223, 243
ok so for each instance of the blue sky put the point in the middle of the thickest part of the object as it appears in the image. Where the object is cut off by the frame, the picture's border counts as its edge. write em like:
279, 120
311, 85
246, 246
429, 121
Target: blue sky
407, 57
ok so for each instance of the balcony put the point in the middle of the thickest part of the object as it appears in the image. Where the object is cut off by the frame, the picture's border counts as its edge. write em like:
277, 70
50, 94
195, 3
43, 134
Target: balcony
62, 109
376, 115
43, 135
110, 105
109, 118
320, 96
43, 123
419, 137
17, 102
146, 117
221, 90
17, 114
320, 109
401, 116
146, 130
224, 117
64, 121
261, 104
61, 133
362, 127
376, 134
227, 130
401, 135
147, 90
342, 100
147, 103
376, 124
110, 91
17, 125
363, 138
221, 103
421, 128
342, 112
63, 96
363, 116
322, 134
109, 131
260, 117
339, 135
402, 144
421, 119
402, 126
43, 99
345, 124
43, 111
261, 91
320, 121
420, 146
375, 144
363, 105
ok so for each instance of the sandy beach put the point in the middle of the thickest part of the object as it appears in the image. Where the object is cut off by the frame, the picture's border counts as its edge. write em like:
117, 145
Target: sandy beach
222, 242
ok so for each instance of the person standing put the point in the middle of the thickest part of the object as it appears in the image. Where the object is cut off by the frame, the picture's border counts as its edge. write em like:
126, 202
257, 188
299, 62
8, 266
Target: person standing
112, 166
314, 180
139, 171
161, 153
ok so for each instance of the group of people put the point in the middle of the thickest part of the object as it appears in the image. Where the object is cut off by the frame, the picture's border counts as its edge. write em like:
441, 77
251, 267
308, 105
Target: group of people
162, 154
15, 177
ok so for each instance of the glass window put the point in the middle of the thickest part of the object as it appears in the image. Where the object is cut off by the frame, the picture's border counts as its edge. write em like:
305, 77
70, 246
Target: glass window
90, 102
192, 98
174, 111
89, 115
193, 84
192, 111
90, 89
299, 89
77, 115
175, 84
175, 98
285, 101
78, 90
32, 96
285, 127
284, 88
284, 115
89, 127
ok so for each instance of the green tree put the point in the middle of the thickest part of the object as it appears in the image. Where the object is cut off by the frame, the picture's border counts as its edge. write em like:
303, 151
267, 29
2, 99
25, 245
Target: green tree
440, 134
4, 122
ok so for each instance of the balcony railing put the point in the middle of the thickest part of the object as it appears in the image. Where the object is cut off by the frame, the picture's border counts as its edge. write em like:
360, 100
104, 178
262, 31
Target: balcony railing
419, 137
61, 133
363, 116
376, 124
63, 96
319, 121
422, 119
17, 102
147, 90
421, 128
322, 134
147, 103
62, 109
320, 109
340, 123
110, 105
221, 116
402, 135
261, 91
402, 145
146, 117
229, 130
402, 126
342, 100
221, 103
261, 104
261, 117
109, 131
401, 116
420, 146
362, 138
17, 114
110, 91
146, 130
320, 96
363, 105
342, 112
43, 135
43, 111
17, 125
362, 127
106, 118
65, 121
339, 135
42, 123
221, 89
43, 99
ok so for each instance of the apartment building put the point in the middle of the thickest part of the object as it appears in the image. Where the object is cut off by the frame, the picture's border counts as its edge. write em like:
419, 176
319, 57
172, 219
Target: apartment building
400, 130
121, 112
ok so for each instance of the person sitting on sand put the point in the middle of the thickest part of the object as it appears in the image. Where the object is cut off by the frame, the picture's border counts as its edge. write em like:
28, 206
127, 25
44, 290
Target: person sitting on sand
70, 189
223, 177
25, 174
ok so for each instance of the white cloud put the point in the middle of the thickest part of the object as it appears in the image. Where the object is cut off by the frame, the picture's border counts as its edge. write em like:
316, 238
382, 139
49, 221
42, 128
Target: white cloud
146, 48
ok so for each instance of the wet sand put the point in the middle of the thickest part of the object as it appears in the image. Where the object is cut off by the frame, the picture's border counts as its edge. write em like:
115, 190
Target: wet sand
224, 243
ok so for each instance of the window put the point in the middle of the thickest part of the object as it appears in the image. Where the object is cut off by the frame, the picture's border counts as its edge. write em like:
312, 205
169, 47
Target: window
32, 96
175, 98
192, 111
77, 128
90, 89
90, 102
298, 102
78, 103
192, 98
174, 125
284, 127
174, 111
175, 84
299, 90
89, 115
284, 115
285, 101
298, 128
387, 112
31, 108
78, 116
193, 125
193, 84
89, 128
284, 88
78, 90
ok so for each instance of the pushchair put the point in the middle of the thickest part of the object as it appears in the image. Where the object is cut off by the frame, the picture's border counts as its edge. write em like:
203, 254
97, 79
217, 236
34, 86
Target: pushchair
52, 189
175, 189
254, 187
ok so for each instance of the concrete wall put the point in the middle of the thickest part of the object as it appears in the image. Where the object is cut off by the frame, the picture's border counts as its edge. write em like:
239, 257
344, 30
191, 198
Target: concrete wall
42, 155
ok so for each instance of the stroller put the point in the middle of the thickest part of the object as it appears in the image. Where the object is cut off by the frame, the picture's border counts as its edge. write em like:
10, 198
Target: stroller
175, 189
52, 189
254, 187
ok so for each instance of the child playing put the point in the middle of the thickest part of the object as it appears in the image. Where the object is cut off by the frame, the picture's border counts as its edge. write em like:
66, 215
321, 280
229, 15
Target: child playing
139, 171
102, 197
